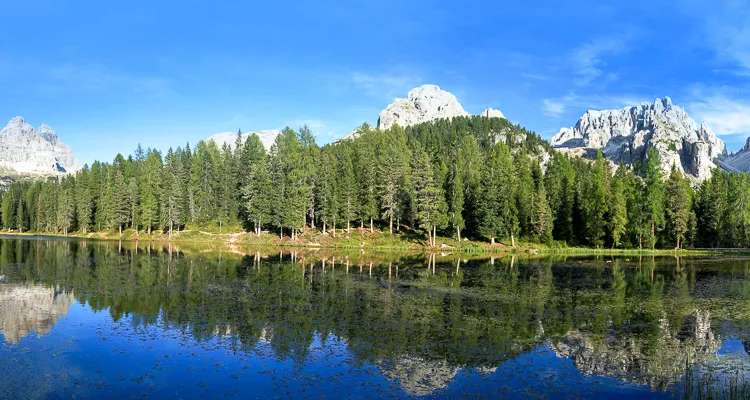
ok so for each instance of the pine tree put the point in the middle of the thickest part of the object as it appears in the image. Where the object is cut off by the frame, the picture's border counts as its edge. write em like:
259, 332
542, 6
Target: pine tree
289, 179
84, 205
497, 213
542, 214
150, 190
327, 196
365, 171
617, 206
595, 201
428, 195
678, 205
653, 195
172, 191
257, 194
348, 200
120, 202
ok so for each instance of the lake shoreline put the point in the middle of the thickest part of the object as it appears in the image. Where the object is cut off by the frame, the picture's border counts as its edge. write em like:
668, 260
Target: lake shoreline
364, 240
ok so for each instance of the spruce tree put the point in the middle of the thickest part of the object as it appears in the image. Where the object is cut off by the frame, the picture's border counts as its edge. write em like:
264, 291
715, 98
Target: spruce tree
678, 205
428, 195
617, 206
497, 213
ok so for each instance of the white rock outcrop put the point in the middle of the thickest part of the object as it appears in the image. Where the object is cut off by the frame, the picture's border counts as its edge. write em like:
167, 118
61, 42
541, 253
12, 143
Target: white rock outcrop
34, 152
492, 113
267, 137
423, 104
624, 135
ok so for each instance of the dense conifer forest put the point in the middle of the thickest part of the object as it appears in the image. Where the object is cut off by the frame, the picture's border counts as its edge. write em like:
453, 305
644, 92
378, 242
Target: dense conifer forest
473, 177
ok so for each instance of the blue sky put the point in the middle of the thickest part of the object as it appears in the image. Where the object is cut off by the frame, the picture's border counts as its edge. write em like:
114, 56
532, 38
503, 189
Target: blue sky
110, 75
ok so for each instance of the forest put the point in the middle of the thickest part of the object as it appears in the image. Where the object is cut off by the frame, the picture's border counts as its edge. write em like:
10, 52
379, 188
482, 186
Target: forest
469, 177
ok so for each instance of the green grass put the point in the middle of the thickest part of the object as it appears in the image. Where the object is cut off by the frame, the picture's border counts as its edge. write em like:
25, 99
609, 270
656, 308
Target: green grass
357, 239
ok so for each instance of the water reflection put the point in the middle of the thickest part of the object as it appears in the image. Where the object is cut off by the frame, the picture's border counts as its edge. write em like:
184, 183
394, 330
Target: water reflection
27, 308
433, 325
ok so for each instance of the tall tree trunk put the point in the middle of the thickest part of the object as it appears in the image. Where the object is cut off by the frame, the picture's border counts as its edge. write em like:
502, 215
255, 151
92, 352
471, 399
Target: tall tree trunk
371, 230
390, 224
348, 229
458, 234
512, 240
492, 240
678, 243
281, 233
324, 227
434, 236
640, 240
334, 226
120, 228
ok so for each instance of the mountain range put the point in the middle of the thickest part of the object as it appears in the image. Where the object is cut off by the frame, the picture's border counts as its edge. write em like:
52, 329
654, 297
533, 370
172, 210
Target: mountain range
622, 136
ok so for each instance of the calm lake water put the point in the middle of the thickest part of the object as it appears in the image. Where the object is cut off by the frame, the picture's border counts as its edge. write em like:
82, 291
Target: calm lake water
103, 319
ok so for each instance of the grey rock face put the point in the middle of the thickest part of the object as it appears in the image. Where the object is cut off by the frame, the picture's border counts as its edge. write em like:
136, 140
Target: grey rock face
624, 135
267, 137
737, 162
492, 113
423, 104
27, 151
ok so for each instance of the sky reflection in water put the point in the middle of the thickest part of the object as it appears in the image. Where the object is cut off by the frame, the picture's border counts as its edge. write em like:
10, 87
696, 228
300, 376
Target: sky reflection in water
104, 320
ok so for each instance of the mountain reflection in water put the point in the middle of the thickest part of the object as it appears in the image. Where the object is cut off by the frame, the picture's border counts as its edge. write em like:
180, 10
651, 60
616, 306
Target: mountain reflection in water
27, 308
146, 318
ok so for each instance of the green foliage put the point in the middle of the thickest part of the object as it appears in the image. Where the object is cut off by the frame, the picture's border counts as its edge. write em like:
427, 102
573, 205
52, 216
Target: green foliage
469, 177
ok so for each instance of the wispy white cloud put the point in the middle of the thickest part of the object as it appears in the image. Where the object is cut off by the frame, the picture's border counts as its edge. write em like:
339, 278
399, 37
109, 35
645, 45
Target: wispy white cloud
385, 86
97, 78
727, 33
553, 107
534, 77
589, 61
727, 116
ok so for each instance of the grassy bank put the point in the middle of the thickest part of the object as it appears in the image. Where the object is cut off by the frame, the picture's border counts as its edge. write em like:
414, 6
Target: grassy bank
356, 239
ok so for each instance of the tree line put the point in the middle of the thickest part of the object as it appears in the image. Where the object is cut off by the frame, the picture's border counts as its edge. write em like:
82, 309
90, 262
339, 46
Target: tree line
476, 177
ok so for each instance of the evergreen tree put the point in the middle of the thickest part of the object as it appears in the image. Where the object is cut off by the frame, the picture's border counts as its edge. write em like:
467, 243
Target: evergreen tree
150, 191
84, 205
595, 205
428, 196
257, 193
497, 212
678, 205
617, 206
653, 195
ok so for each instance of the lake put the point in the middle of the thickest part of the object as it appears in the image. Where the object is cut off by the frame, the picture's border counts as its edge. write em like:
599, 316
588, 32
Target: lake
82, 319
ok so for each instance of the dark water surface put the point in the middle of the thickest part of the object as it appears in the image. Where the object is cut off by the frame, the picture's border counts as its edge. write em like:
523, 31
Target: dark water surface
101, 320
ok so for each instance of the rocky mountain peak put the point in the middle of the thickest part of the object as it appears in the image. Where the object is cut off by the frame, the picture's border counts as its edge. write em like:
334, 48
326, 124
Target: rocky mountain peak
49, 134
624, 135
24, 150
424, 103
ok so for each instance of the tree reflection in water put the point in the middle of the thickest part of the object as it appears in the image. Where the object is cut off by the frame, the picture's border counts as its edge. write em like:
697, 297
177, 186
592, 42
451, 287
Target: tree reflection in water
420, 320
